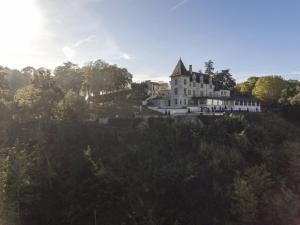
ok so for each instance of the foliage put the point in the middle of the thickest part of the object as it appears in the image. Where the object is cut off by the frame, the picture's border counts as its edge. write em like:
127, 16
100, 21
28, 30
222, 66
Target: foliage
139, 90
103, 78
224, 80
71, 107
238, 169
69, 77
58, 168
27, 96
209, 68
268, 89
246, 87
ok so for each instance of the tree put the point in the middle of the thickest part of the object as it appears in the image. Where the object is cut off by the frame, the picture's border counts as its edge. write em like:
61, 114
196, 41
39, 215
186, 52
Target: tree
71, 107
224, 80
39, 98
269, 88
209, 68
69, 77
139, 90
289, 94
27, 96
17, 79
102, 78
5, 92
246, 87
244, 202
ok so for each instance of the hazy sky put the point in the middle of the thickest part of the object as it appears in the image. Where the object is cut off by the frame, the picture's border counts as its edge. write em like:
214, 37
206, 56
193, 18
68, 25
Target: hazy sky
148, 36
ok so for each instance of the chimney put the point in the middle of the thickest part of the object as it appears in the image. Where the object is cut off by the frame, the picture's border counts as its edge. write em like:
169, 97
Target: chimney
191, 69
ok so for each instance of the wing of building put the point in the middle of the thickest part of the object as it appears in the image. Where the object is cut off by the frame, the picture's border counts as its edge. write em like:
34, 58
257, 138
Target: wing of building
196, 92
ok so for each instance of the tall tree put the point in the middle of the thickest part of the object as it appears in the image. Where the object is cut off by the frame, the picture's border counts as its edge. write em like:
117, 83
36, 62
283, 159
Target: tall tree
269, 88
71, 107
246, 87
224, 80
5, 92
209, 67
69, 77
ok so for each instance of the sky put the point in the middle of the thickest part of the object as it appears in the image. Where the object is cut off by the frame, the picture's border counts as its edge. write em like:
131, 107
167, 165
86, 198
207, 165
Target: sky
249, 37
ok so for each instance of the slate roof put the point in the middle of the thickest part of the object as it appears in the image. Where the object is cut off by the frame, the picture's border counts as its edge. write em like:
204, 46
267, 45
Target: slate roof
180, 69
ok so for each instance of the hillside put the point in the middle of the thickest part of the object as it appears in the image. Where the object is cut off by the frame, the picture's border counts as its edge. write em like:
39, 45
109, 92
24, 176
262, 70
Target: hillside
237, 169
119, 105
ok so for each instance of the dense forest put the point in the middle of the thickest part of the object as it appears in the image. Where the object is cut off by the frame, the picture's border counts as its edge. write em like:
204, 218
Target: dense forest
59, 167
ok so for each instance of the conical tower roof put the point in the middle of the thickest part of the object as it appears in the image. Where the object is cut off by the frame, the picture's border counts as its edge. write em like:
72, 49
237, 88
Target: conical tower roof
180, 69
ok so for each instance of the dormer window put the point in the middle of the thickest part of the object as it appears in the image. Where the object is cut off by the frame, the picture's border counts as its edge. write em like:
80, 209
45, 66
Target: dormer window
194, 77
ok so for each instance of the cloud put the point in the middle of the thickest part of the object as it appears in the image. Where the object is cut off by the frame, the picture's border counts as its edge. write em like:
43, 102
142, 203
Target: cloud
103, 46
124, 55
179, 4
85, 40
70, 51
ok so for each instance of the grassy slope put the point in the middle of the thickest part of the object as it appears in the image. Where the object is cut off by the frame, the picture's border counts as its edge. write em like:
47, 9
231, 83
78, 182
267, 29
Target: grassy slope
120, 105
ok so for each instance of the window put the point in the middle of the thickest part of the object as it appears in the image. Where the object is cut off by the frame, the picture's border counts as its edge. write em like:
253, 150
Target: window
184, 81
194, 93
236, 102
184, 91
210, 94
201, 85
210, 86
175, 100
189, 92
201, 93
175, 81
194, 84
175, 91
184, 101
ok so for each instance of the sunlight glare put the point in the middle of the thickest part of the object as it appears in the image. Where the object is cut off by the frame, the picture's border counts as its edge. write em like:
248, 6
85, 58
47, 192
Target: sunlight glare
21, 23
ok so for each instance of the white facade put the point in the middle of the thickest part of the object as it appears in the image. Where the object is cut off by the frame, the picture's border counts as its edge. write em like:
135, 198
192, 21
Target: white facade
195, 92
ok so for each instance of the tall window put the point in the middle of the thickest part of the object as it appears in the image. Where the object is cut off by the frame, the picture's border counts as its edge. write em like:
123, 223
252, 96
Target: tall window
189, 92
201, 93
184, 91
201, 85
194, 93
184, 81
175, 91
194, 84
184, 101
210, 86
175, 100
175, 81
